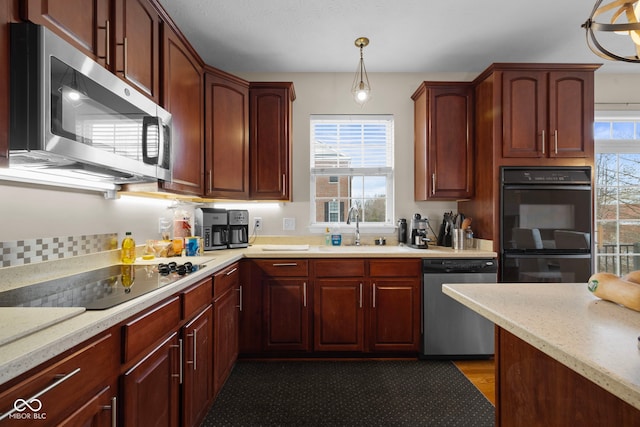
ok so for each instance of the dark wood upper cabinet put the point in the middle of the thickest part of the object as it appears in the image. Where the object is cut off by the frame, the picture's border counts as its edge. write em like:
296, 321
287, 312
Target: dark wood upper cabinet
547, 113
87, 25
443, 141
226, 135
183, 96
137, 45
270, 112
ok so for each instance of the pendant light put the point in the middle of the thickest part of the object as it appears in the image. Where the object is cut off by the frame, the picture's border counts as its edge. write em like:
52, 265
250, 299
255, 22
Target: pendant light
619, 9
361, 89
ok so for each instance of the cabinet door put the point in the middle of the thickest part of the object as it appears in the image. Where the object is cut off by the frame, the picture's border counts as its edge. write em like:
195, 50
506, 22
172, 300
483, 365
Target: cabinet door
151, 389
85, 24
443, 141
339, 315
197, 370
225, 336
99, 411
226, 137
571, 105
524, 101
270, 141
286, 314
183, 98
251, 303
395, 315
137, 45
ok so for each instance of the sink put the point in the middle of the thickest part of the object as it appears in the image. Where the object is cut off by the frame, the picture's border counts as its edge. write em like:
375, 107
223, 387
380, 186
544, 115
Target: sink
363, 248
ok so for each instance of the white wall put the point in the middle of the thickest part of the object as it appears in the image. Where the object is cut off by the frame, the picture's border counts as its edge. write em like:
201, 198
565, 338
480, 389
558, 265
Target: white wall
27, 212
330, 93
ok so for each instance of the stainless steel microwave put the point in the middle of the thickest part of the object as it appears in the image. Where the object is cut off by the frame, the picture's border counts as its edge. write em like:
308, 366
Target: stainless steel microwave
72, 116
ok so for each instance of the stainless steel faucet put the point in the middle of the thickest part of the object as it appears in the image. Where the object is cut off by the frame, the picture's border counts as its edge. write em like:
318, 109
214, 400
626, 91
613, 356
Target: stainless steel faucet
355, 209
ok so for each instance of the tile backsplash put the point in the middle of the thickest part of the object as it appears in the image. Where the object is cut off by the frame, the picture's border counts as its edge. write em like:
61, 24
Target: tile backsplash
28, 251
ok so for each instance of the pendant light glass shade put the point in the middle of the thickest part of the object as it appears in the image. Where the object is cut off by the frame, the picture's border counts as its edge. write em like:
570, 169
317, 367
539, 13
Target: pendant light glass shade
361, 89
624, 19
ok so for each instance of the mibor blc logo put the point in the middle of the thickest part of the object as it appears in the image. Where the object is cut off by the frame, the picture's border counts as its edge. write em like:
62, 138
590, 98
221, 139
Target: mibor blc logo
28, 410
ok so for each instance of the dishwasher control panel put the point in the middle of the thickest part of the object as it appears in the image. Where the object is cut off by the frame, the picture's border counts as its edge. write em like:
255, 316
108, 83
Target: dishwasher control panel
459, 265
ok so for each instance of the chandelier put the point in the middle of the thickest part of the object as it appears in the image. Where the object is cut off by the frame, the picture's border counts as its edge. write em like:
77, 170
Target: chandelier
619, 10
361, 89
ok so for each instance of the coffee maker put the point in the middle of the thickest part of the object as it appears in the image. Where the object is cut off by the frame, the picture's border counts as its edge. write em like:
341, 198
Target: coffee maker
238, 221
419, 228
212, 225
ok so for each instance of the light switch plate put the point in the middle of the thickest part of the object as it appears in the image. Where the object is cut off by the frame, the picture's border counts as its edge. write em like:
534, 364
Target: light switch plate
288, 224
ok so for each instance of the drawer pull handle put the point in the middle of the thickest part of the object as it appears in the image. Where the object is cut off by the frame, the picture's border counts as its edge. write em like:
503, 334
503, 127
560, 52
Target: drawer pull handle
21, 404
285, 264
543, 142
229, 273
360, 295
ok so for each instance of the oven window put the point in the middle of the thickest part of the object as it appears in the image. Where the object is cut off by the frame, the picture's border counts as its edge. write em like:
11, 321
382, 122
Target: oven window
546, 218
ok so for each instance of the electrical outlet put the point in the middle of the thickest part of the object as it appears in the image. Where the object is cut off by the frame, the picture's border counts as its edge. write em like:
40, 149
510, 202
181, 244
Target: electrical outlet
257, 223
288, 224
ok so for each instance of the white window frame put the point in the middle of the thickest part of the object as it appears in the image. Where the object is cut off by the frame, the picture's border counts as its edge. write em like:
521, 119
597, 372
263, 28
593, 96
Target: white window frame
612, 146
388, 171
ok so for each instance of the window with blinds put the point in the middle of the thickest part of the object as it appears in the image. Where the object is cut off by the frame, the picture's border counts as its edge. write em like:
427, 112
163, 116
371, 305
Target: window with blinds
351, 165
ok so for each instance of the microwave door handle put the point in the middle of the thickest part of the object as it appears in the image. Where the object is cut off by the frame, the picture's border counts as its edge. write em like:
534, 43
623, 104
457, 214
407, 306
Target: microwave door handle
147, 122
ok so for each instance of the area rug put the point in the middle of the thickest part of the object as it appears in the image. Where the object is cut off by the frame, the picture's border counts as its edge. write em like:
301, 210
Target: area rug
349, 393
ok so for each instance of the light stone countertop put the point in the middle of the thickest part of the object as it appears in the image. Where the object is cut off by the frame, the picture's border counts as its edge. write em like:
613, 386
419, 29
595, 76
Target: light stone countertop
58, 335
595, 338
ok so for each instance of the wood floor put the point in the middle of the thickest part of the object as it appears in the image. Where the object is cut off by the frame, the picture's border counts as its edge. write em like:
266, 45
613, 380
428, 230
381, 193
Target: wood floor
482, 374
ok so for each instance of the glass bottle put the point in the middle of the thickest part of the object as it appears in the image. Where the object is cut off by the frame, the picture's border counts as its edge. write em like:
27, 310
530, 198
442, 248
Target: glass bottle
128, 250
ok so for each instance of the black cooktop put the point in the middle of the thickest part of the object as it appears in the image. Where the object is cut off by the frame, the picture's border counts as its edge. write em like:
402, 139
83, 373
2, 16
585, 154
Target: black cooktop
97, 289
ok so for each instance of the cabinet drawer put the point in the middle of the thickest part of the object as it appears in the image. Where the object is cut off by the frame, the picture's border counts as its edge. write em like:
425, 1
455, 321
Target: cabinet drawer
226, 279
285, 267
141, 332
68, 384
339, 268
395, 268
196, 297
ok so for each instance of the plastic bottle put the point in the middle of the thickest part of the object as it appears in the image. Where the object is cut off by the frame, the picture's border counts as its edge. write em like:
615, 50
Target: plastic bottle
128, 250
327, 237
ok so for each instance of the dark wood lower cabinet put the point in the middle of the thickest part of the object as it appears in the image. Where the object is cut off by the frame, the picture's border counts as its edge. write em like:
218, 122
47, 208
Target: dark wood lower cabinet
151, 388
533, 389
286, 315
76, 389
197, 386
225, 337
99, 411
338, 314
395, 315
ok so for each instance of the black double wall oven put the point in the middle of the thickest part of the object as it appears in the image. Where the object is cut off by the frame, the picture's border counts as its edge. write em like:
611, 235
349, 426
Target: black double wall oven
546, 224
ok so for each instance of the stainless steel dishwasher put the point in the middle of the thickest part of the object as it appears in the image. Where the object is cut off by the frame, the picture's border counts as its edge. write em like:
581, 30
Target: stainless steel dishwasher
449, 329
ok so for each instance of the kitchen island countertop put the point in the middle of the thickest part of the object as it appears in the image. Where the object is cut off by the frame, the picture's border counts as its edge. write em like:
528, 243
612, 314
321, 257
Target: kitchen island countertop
595, 338
24, 353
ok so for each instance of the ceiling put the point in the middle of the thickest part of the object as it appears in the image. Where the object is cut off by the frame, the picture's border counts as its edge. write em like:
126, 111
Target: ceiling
406, 35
